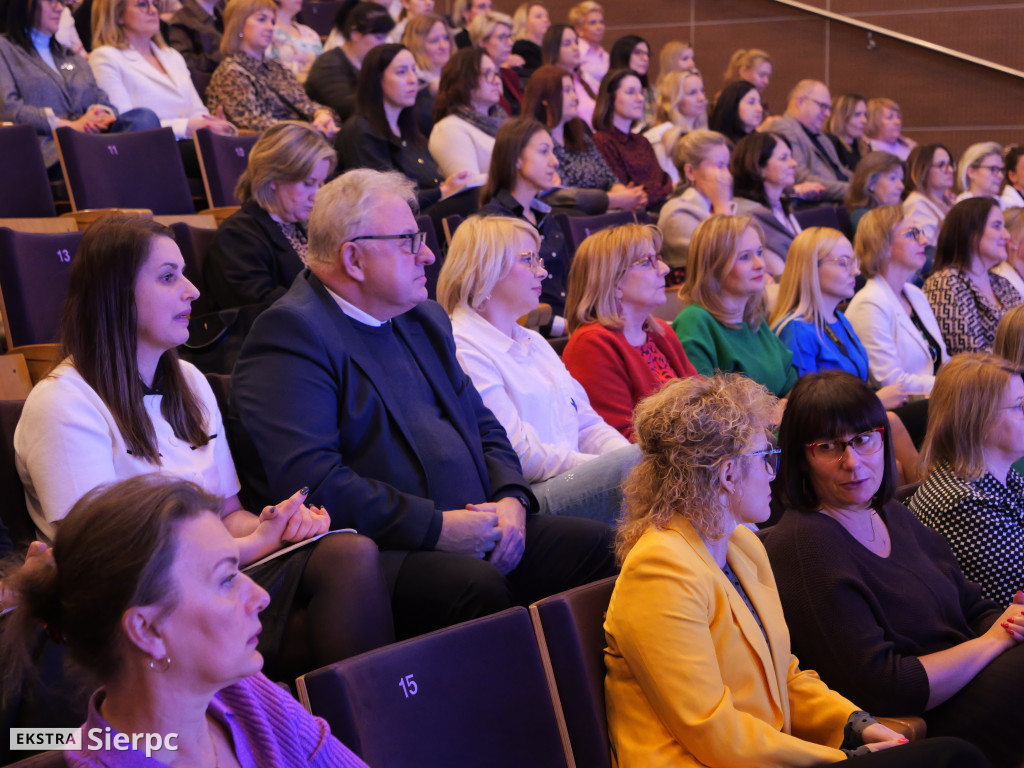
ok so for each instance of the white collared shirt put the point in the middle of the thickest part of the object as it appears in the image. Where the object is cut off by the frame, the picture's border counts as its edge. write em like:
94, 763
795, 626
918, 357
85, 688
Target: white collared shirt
351, 310
544, 410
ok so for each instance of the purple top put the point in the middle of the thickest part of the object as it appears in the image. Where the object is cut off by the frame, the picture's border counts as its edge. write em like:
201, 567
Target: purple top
269, 728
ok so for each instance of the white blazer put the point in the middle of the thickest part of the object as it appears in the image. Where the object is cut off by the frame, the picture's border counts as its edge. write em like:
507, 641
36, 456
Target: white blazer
897, 352
458, 145
130, 81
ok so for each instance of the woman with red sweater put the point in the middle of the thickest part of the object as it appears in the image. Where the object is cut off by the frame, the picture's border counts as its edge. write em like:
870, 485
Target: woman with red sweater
617, 350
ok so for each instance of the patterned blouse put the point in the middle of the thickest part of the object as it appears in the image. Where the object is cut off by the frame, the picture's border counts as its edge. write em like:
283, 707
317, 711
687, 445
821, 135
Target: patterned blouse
657, 361
257, 93
296, 50
966, 318
584, 170
631, 157
983, 521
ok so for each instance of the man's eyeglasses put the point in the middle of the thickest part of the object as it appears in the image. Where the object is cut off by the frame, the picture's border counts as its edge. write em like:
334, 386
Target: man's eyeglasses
824, 106
864, 444
413, 240
771, 459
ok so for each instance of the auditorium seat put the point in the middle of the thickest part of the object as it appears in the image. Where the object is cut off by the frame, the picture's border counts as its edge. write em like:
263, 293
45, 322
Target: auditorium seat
222, 159
578, 228
570, 633
194, 242
450, 224
27, 191
469, 695
319, 14
13, 511
139, 169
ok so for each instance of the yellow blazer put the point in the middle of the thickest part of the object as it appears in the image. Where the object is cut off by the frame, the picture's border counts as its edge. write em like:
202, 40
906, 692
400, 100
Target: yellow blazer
690, 679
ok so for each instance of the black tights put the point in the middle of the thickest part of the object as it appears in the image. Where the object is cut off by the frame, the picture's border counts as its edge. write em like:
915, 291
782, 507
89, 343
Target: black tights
341, 608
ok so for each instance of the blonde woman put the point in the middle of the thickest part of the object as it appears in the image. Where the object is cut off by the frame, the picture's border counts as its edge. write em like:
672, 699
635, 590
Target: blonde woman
675, 56
429, 40
890, 314
492, 31
980, 171
617, 349
253, 91
972, 493
529, 23
929, 183
699, 667
1013, 268
722, 325
573, 460
883, 131
682, 107
750, 64
702, 158
136, 68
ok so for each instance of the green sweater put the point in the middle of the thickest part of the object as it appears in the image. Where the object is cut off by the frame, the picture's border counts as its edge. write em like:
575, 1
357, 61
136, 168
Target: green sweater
713, 347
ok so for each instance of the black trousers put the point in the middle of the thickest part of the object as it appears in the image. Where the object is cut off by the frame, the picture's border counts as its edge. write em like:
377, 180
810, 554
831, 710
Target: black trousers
929, 753
433, 589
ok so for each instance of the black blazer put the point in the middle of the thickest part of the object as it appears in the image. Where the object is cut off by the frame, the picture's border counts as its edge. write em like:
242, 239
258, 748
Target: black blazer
332, 82
250, 262
322, 409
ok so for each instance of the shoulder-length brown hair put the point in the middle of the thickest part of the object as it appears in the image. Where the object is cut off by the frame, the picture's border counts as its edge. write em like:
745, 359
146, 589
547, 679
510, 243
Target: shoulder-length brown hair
604, 108
963, 407
543, 102
712, 255
870, 168
961, 232
458, 79
99, 332
511, 140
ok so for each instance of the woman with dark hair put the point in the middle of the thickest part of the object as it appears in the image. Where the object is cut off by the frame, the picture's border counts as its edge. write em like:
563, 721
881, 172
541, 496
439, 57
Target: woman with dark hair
737, 110
252, 90
876, 602
143, 586
620, 103
1012, 195
632, 52
561, 47
522, 167
617, 349
383, 134
259, 249
968, 298
45, 85
972, 494
698, 660
763, 172
845, 127
121, 404
877, 180
467, 115
334, 75
550, 99
929, 187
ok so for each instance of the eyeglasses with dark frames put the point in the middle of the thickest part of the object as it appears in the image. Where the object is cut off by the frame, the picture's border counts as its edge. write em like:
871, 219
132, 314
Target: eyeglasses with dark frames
863, 444
413, 240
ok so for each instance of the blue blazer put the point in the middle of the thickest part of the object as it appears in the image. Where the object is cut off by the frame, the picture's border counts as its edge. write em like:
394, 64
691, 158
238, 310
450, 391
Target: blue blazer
322, 409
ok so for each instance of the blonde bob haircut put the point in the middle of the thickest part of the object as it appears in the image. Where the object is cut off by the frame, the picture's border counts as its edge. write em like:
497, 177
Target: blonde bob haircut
972, 158
670, 91
483, 24
965, 400
876, 108
521, 17
873, 242
107, 25
1009, 343
482, 253
686, 433
236, 12
343, 205
668, 59
745, 58
712, 254
417, 30
695, 147
285, 153
800, 288
579, 12
597, 269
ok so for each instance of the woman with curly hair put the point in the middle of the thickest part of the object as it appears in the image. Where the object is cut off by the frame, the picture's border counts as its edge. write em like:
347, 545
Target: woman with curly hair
699, 668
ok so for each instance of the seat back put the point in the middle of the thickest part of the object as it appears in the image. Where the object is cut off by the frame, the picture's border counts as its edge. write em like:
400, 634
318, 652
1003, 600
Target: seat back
426, 224
22, 160
470, 695
194, 242
34, 274
450, 224
819, 216
222, 159
13, 511
578, 228
570, 633
140, 169
319, 14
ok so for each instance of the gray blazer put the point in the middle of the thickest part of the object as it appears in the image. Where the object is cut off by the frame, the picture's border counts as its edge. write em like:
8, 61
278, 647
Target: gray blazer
811, 164
28, 86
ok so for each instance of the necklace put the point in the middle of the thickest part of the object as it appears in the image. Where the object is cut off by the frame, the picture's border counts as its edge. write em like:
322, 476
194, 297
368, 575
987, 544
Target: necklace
871, 517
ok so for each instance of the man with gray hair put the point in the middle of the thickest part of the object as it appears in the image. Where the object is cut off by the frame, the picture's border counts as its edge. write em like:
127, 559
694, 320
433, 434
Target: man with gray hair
349, 385
801, 126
